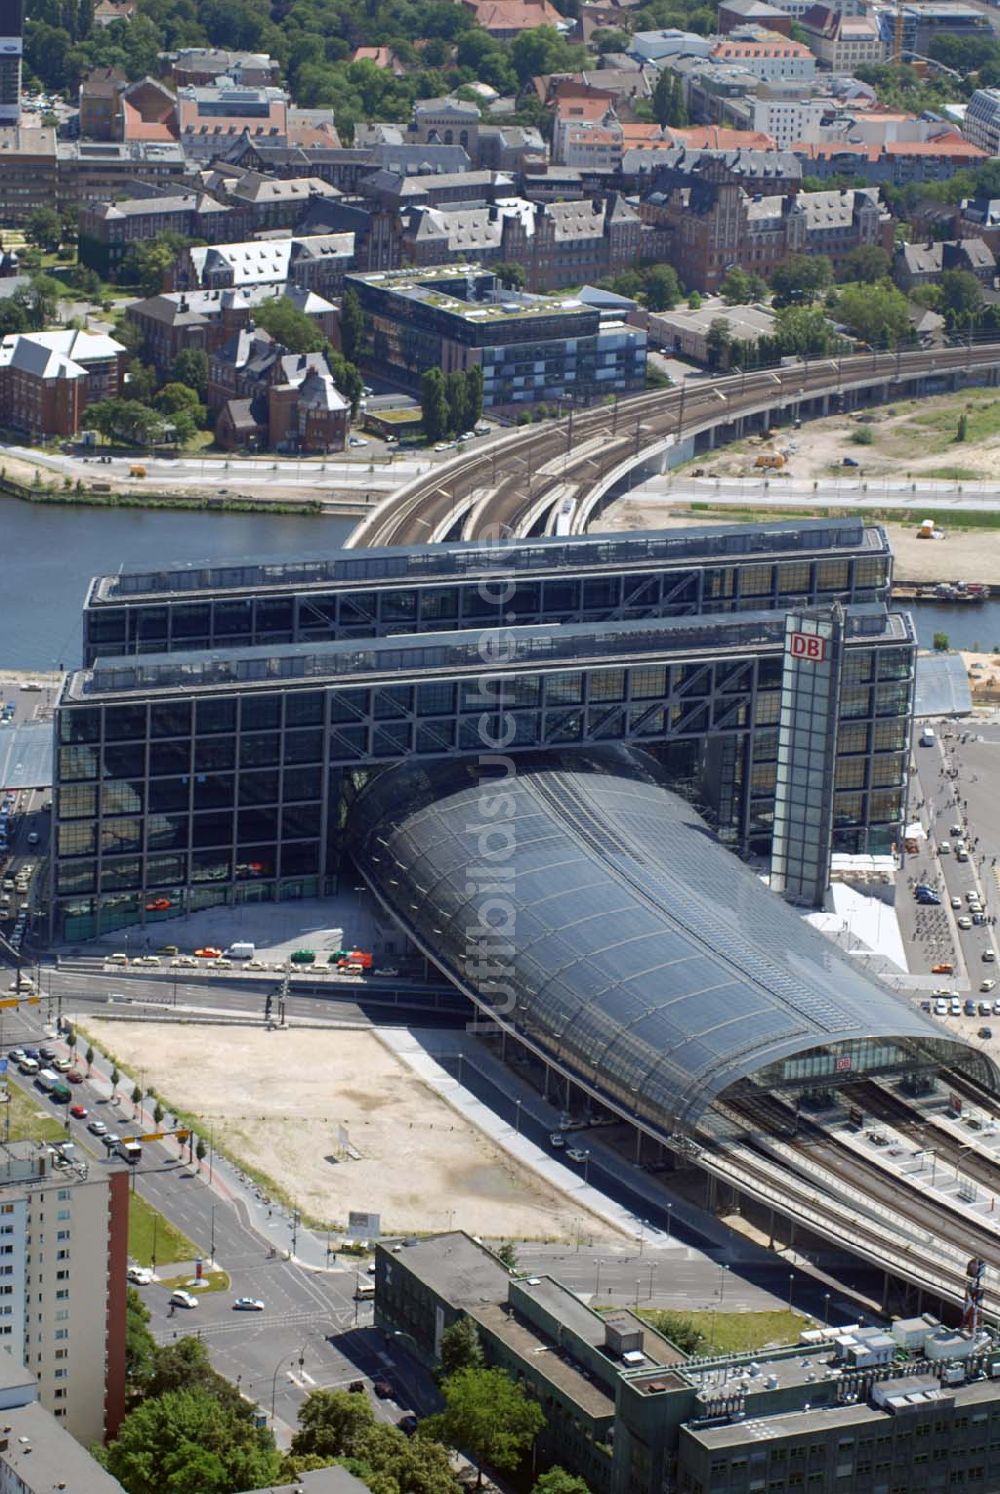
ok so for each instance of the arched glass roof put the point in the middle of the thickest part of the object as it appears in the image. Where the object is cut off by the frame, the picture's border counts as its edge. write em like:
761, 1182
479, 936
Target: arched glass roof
628, 944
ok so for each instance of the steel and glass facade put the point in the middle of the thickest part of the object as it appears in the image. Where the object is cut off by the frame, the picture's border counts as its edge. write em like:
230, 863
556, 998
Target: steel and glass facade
189, 778
419, 589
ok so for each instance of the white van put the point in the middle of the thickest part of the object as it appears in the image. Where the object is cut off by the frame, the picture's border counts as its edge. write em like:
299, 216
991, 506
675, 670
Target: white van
927, 737
28, 1065
364, 1290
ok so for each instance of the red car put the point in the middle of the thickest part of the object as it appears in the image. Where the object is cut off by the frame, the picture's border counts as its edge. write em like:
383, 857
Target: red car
79, 1111
74, 1077
208, 953
159, 905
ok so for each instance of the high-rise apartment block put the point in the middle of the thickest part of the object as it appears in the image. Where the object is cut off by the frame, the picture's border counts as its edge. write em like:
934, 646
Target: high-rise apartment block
11, 34
63, 1263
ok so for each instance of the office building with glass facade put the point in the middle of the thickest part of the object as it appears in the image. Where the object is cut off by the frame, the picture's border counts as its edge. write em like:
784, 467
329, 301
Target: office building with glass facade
431, 588
187, 778
529, 347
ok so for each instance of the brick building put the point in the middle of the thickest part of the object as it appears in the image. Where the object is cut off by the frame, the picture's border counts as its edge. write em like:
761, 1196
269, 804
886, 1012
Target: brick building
47, 379
266, 397
205, 319
107, 229
558, 243
714, 223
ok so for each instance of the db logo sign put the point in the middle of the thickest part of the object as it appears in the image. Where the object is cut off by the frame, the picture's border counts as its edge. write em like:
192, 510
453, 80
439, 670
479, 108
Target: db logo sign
808, 646
843, 1063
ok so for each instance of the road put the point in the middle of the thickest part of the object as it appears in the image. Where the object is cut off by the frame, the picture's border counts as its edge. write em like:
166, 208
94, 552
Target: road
507, 485
875, 493
28, 835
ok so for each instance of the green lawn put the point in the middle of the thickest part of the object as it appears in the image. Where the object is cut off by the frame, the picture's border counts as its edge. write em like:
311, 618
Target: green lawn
143, 1222
31, 1117
733, 1332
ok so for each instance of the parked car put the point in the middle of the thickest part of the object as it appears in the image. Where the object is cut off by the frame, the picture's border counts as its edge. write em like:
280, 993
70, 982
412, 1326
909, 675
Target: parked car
383, 1389
180, 1298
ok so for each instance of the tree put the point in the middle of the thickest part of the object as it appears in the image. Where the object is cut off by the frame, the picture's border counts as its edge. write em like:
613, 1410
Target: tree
147, 261
800, 277
679, 1330
739, 288
868, 262
346, 377
941, 642
543, 50
44, 228
115, 1076
69, 1034
474, 394
389, 1460
506, 1251
434, 404
454, 393
136, 1098
962, 430
90, 1055
288, 325
718, 342
332, 1423
201, 1149
661, 287
558, 1481
191, 369
85, 281
488, 1416
663, 98
41, 300
126, 420
183, 1364
176, 399
961, 297
511, 274
187, 1442
141, 380
352, 326
460, 1348
158, 1113
802, 330
140, 1345
878, 314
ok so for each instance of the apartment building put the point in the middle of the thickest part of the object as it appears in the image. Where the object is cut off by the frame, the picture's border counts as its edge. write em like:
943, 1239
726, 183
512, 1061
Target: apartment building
11, 45
777, 60
63, 1259
736, 13
315, 261
841, 42
37, 1453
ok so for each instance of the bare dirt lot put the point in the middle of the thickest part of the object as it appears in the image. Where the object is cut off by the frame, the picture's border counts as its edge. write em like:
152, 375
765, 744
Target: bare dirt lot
963, 555
908, 438
422, 1166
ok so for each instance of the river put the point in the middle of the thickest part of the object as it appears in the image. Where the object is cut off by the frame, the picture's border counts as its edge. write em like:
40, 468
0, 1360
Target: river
50, 552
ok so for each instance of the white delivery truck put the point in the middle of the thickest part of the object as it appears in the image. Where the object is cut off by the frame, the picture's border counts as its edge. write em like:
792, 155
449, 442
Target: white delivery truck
242, 950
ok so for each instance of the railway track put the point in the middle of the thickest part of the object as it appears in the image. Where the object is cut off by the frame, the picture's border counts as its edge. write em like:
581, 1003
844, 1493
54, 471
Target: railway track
585, 447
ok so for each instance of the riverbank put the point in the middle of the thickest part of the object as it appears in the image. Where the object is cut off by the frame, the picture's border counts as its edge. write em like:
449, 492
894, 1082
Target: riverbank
118, 496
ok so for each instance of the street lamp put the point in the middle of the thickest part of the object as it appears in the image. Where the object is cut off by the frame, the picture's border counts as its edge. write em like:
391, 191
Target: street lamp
597, 1283
517, 1116
670, 1218
791, 1283
211, 1252
826, 1309
722, 1281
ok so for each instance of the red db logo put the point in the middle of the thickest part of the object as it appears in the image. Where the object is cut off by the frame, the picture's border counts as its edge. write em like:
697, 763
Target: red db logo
808, 646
